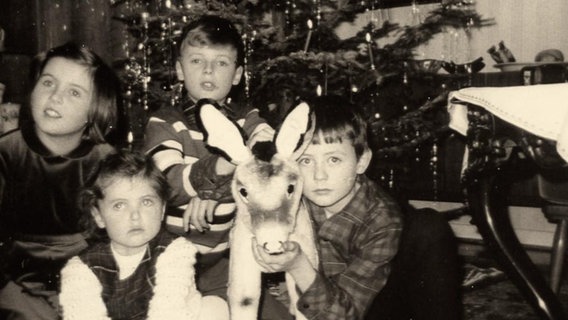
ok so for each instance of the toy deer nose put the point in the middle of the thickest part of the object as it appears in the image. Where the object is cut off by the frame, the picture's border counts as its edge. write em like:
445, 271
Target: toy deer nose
274, 247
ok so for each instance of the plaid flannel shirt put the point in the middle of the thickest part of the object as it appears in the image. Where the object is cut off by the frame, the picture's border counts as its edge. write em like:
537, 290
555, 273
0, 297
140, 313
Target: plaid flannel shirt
356, 247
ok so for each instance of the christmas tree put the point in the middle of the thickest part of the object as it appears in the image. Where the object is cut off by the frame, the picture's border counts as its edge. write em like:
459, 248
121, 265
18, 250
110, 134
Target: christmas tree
292, 45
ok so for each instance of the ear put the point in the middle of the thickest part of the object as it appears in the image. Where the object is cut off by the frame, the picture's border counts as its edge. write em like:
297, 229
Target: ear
163, 211
179, 71
364, 160
298, 126
98, 218
222, 133
307, 137
238, 75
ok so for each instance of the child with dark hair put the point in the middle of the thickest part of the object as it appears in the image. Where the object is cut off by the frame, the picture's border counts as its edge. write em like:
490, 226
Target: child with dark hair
139, 271
210, 64
64, 129
364, 251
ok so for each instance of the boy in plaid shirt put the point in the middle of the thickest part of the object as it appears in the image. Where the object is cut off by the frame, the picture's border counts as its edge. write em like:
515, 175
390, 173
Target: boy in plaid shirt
359, 228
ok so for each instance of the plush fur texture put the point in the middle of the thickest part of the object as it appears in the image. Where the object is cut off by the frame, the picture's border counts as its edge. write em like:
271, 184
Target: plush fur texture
175, 293
267, 188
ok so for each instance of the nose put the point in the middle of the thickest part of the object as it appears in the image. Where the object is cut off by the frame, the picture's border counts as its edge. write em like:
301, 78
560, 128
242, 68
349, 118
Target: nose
57, 95
135, 213
320, 172
274, 247
208, 67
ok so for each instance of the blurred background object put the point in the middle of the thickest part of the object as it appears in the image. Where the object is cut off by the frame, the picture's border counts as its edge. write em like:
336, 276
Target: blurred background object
9, 113
2, 89
549, 55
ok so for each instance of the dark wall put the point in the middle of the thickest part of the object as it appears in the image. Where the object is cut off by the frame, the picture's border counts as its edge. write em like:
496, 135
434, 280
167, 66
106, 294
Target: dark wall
17, 19
32, 26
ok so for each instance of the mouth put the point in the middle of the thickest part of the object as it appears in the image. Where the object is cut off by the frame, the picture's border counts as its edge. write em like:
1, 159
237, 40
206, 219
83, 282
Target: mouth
322, 191
51, 113
209, 86
136, 230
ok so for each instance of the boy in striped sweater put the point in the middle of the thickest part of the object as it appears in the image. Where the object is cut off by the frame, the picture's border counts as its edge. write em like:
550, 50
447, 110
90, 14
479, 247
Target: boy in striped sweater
210, 63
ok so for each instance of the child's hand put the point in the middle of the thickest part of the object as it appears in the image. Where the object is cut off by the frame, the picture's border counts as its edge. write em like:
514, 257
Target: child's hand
199, 213
281, 262
293, 261
266, 134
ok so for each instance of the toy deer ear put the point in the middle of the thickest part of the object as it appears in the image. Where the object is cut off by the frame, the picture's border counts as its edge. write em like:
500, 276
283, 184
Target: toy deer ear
222, 133
296, 132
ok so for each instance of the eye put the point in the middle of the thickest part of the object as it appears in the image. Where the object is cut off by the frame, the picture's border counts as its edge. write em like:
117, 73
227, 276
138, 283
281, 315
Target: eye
148, 202
118, 206
243, 192
305, 161
222, 63
47, 83
195, 61
290, 189
334, 160
75, 93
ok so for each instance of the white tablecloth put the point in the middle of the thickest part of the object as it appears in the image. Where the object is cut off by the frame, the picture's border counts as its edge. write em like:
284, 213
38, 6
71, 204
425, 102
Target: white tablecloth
539, 109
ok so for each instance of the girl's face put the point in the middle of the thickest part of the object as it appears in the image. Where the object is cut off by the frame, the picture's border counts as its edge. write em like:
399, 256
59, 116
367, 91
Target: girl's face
132, 212
61, 99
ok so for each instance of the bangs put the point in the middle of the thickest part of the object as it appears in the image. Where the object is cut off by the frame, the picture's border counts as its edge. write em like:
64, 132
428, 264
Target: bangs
196, 38
330, 136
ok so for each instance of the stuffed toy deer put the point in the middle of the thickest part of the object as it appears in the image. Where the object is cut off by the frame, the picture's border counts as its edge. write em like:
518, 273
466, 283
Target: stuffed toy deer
267, 189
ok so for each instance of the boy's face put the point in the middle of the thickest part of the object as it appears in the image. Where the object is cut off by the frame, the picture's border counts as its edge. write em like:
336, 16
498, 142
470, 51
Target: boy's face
330, 173
209, 71
132, 212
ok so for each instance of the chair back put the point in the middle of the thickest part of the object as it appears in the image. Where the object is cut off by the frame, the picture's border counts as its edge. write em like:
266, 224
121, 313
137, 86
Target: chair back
553, 186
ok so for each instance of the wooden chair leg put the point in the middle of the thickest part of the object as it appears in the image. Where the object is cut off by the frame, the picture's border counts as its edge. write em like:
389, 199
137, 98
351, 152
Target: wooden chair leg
557, 257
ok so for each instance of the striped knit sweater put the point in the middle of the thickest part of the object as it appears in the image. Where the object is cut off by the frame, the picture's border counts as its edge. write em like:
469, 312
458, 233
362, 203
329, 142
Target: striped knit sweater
175, 142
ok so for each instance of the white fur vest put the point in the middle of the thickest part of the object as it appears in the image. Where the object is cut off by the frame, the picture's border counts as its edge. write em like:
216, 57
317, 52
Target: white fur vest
175, 295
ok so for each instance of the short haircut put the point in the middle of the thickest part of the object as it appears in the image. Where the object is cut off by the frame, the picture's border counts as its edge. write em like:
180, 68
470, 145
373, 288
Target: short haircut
213, 30
103, 115
121, 165
338, 119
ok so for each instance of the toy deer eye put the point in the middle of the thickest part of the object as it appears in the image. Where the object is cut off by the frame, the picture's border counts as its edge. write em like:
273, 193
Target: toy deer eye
243, 192
290, 189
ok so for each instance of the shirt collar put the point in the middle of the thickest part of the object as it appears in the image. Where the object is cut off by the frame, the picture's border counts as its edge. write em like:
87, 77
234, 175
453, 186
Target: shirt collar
32, 140
355, 207
188, 107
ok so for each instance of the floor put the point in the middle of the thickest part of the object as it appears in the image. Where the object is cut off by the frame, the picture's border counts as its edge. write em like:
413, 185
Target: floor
496, 297
487, 293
